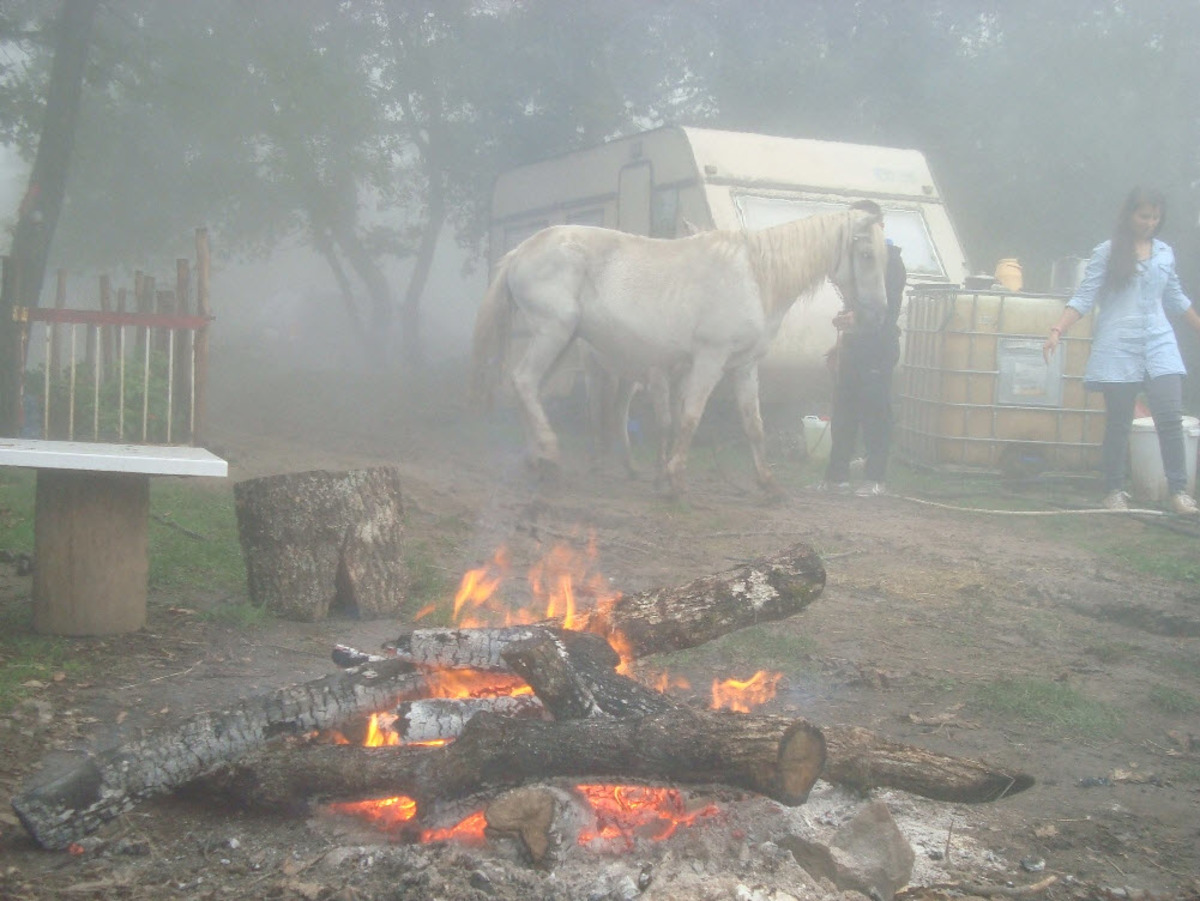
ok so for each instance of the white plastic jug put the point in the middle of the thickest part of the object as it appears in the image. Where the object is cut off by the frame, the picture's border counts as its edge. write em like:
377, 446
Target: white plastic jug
817, 437
1145, 459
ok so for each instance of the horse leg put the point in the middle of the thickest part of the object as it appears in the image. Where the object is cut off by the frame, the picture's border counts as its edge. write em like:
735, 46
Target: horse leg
745, 387
549, 341
695, 389
658, 385
599, 388
626, 388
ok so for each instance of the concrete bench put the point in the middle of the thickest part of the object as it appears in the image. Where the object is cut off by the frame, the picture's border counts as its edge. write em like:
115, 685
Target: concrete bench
91, 528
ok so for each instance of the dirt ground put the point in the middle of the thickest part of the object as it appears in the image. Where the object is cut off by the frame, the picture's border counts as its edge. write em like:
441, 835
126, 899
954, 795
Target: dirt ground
932, 623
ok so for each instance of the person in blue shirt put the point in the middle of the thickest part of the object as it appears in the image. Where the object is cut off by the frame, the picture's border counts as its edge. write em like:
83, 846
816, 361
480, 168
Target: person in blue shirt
1131, 283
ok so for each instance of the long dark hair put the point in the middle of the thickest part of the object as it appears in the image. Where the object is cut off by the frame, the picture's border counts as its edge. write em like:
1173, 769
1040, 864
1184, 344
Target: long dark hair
1122, 258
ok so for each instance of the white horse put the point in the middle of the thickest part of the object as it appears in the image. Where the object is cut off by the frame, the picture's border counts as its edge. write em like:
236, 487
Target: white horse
695, 307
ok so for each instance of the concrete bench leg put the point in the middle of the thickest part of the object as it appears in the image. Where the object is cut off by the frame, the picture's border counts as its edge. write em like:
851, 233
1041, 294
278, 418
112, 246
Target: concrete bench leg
91, 552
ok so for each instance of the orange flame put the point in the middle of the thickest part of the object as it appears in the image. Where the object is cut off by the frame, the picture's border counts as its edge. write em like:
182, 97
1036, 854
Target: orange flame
386, 812
468, 831
379, 731
469, 683
626, 811
743, 696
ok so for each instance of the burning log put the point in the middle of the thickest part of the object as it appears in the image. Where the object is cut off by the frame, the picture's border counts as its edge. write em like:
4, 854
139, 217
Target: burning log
649, 622
440, 719
862, 759
315, 540
62, 807
581, 682
672, 619
774, 756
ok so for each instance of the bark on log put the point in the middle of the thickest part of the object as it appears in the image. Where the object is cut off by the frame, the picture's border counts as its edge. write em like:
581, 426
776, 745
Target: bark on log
319, 540
60, 807
671, 619
862, 759
580, 681
443, 719
774, 756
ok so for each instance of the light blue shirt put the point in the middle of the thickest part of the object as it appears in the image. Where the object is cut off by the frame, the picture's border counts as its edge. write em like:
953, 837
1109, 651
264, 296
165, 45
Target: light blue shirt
1132, 338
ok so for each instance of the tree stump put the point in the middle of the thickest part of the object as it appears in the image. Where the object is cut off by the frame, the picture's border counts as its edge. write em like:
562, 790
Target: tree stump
316, 541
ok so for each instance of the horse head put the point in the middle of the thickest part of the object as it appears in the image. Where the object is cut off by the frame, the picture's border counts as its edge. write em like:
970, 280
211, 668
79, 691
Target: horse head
859, 274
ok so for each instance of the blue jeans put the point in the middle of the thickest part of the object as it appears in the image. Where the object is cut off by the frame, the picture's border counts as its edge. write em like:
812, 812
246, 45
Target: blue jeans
1165, 397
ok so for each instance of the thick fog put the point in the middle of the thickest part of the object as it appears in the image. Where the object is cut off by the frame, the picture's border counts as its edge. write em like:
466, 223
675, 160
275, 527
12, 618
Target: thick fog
324, 144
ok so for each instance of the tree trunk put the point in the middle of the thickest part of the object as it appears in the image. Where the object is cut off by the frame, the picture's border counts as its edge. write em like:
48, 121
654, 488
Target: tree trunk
37, 218
774, 756
63, 806
315, 540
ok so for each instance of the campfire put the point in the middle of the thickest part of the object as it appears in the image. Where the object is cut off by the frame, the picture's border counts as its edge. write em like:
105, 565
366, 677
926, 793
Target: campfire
520, 725
565, 587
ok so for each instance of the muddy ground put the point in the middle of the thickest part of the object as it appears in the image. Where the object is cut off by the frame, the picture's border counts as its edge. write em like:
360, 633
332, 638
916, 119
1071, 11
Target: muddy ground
1065, 645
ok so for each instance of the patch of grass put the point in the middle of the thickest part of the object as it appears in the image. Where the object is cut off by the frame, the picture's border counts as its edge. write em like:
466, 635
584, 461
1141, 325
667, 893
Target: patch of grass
1187, 665
759, 647
16, 509
26, 656
1173, 701
429, 582
1163, 554
241, 614
193, 537
1112, 651
1053, 704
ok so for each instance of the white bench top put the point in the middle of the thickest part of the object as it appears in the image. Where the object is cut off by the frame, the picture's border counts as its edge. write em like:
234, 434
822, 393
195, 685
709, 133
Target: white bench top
157, 460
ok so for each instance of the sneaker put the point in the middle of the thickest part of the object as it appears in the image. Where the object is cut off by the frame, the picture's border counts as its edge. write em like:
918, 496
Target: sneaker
1184, 503
1116, 500
828, 487
871, 489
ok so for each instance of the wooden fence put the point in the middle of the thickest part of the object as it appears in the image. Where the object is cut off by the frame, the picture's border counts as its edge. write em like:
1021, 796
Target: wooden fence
133, 371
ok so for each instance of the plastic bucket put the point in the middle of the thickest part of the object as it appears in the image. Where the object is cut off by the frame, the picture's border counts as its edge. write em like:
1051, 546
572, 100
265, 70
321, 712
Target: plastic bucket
1145, 459
817, 437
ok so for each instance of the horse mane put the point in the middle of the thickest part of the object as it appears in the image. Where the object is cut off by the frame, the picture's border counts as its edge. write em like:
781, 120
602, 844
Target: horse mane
791, 260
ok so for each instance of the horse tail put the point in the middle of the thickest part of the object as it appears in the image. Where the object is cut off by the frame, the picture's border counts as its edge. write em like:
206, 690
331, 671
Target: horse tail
493, 330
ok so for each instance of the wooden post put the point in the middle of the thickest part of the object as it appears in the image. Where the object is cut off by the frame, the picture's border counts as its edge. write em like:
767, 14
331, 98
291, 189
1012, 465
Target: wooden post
203, 308
60, 301
107, 341
83, 522
182, 401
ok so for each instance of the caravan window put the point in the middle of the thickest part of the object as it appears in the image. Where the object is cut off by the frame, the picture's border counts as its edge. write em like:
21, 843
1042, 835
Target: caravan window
905, 227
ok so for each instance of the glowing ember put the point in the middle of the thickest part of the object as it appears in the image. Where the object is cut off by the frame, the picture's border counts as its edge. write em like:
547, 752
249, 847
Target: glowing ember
469, 683
468, 831
627, 811
743, 696
387, 812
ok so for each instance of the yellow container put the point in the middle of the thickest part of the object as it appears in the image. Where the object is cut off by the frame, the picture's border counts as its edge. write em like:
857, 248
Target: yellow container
976, 392
1008, 274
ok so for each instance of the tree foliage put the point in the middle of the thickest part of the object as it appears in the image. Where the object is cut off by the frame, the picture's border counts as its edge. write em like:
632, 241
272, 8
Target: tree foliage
364, 128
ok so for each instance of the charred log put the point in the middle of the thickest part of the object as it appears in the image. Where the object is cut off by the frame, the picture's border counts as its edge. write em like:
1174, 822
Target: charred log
671, 619
442, 719
774, 756
862, 759
61, 807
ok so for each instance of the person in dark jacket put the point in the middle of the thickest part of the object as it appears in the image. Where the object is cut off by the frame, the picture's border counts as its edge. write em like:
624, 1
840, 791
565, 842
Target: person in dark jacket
862, 396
